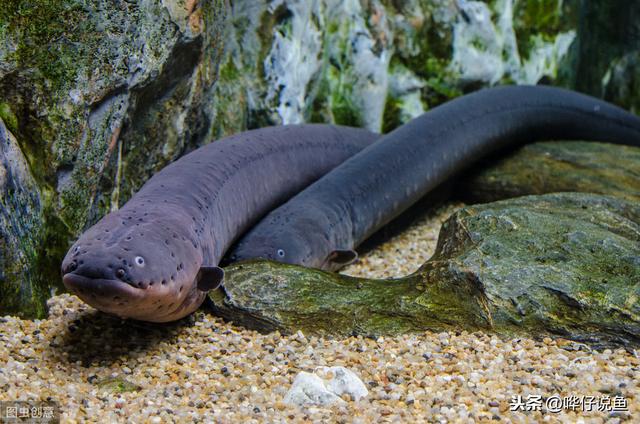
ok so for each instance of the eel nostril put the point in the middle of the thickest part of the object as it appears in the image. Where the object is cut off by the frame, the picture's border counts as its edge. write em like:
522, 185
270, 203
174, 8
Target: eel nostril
120, 273
73, 265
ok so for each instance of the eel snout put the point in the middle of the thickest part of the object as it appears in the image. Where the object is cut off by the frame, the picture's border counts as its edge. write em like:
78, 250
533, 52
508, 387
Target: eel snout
117, 289
117, 297
101, 291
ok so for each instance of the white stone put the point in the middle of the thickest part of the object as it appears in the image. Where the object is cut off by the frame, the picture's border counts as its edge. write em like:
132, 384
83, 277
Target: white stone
345, 381
311, 389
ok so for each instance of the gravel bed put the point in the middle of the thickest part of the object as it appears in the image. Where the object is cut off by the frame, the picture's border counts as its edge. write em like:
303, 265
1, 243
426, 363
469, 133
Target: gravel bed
102, 369
405, 252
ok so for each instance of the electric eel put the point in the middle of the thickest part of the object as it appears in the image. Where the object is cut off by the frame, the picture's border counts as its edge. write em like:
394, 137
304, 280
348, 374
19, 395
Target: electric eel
157, 257
322, 225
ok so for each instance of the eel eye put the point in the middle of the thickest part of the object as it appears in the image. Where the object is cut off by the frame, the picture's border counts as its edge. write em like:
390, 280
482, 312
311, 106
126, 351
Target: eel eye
139, 261
120, 273
280, 253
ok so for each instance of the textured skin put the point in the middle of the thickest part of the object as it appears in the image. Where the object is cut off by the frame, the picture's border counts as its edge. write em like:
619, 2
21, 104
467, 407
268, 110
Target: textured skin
346, 206
141, 261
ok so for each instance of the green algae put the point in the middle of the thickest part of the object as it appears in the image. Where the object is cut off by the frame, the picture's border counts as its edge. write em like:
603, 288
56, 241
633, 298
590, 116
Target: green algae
335, 98
9, 118
423, 46
48, 36
392, 117
53, 39
542, 18
118, 385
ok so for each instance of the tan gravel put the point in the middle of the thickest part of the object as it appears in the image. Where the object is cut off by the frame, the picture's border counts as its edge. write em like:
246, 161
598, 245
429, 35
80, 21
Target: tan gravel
101, 369
404, 253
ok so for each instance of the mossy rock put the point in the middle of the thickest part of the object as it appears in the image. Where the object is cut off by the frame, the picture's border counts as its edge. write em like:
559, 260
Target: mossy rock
565, 264
555, 166
21, 232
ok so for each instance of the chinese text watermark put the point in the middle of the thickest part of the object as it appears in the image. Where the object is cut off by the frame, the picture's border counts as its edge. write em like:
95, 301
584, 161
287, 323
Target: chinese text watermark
557, 403
29, 412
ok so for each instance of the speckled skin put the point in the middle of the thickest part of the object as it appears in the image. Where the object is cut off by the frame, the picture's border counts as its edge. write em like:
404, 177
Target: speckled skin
141, 261
346, 206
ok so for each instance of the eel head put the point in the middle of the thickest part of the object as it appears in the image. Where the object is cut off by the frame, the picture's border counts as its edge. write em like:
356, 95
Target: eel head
140, 266
303, 246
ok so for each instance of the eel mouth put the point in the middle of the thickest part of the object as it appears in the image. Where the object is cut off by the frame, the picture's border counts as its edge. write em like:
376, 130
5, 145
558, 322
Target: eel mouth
121, 299
107, 295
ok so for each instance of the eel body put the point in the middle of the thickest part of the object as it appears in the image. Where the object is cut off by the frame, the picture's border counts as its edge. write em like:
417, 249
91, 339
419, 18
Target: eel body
322, 225
156, 257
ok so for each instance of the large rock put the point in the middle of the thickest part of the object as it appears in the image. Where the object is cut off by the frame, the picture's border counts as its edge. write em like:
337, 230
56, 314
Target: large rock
380, 63
563, 264
555, 166
102, 95
20, 231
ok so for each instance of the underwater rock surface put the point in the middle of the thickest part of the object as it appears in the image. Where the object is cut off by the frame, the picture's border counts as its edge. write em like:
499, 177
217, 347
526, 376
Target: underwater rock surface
565, 264
380, 63
20, 231
555, 166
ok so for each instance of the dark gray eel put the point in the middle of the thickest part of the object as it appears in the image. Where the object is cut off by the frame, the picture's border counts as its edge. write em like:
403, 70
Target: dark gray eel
321, 226
156, 257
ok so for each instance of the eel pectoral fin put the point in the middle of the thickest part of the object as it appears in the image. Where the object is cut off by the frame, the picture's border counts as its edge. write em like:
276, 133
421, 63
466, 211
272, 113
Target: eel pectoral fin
342, 257
209, 278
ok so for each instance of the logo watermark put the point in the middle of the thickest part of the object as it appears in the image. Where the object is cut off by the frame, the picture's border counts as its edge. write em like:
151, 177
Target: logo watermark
29, 412
557, 403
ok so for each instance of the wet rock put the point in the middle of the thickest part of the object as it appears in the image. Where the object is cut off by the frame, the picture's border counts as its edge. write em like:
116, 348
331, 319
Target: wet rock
378, 64
623, 81
94, 87
565, 264
20, 232
555, 166
560, 264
